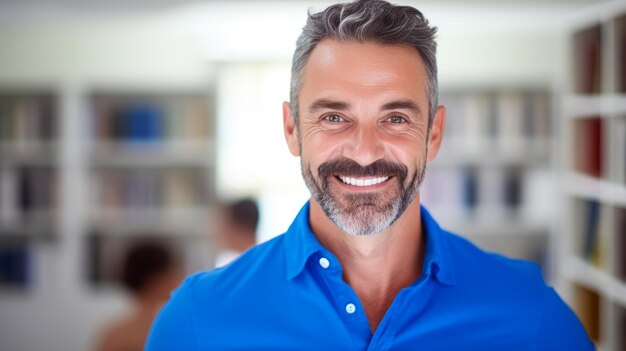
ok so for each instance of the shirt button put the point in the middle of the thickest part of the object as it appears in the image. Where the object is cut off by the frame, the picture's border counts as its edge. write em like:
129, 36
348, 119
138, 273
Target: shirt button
350, 308
324, 262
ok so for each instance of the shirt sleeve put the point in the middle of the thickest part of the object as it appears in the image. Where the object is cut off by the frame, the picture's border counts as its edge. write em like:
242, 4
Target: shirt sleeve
560, 329
173, 327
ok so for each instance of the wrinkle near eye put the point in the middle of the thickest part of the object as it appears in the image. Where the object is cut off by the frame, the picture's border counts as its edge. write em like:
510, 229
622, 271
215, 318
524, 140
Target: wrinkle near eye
414, 129
309, 127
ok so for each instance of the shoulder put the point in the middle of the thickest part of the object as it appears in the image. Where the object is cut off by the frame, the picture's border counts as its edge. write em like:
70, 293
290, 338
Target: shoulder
507, 287
254, 274
473, 264
256, 263
514, 289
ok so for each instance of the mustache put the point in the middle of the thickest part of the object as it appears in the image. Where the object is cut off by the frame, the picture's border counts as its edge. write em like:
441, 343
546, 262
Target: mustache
350, 168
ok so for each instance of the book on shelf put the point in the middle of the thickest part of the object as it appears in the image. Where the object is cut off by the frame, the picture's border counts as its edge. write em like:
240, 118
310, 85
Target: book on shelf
620, 144
141, 122
176, 190
587, 144
154, 119
94, 259
26, 120
620, 41
587, 307
26, 192
37, 190
14, 266
512, 189
593, 232
148, 189
591, 248
193, 122
9, 212
132, 122
474, 191
470, 188
620, 243
588, 60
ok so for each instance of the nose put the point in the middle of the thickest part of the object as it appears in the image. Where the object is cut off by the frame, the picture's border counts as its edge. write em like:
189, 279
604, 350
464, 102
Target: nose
364, 145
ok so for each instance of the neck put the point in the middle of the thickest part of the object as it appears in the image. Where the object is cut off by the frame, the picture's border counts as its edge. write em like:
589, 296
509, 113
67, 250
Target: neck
147, 302
244, 243
376, 266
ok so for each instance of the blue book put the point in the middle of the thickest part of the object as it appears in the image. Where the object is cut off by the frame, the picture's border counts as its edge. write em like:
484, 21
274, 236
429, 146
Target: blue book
14, 266
143, 122
470, 188
591, 229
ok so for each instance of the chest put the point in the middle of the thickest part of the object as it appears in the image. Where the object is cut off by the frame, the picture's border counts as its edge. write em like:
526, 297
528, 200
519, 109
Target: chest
320, 317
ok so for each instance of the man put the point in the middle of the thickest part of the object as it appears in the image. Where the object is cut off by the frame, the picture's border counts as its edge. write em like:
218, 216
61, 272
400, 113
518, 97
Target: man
236, 229
363, 265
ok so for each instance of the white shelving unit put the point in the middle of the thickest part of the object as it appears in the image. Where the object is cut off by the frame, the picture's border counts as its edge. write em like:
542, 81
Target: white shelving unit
592, 259
58, 241
29, 180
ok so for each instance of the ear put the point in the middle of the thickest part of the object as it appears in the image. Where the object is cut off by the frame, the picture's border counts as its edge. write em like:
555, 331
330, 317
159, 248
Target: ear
291, 130
436, 132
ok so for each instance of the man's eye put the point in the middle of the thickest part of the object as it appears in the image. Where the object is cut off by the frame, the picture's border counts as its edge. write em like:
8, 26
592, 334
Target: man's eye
396, 119
334, 118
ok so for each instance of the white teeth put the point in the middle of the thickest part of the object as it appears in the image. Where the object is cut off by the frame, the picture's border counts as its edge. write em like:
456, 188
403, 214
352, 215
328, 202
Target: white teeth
363, 182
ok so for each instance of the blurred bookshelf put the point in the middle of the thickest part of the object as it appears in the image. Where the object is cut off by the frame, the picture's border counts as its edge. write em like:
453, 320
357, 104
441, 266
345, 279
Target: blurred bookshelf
151, 174
488, 180
593, 170
29, 184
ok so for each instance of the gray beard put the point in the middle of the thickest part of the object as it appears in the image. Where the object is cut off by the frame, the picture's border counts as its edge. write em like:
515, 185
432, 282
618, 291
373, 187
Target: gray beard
364, 214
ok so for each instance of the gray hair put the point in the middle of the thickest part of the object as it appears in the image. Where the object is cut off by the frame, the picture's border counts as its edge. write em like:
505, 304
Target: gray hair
362, 21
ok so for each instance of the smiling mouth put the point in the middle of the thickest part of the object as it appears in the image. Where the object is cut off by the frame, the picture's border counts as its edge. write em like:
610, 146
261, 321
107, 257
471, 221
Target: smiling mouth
362, 181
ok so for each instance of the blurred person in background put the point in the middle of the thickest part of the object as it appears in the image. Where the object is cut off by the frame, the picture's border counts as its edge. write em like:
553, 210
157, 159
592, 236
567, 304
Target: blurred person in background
149, 273
236, 229
364, 266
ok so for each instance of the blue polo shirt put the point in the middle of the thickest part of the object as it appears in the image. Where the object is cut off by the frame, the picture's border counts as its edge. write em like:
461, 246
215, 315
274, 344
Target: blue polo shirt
288, 294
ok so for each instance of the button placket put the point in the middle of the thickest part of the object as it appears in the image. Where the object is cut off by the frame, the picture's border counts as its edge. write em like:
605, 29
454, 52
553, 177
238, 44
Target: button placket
346, 301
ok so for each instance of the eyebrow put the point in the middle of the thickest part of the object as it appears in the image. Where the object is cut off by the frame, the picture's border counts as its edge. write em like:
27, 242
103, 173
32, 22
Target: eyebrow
402, 105
326, 104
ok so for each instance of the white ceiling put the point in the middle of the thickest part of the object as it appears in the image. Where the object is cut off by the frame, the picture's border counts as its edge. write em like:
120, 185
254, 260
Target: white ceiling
98, 7
151, 4
526, 14
226, 24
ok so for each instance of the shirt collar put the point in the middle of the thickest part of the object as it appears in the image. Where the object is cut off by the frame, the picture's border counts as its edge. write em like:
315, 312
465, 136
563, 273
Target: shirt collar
301, 243
437, 259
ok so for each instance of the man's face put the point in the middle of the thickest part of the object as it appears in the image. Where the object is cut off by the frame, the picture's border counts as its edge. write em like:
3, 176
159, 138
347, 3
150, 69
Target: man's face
362, 134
